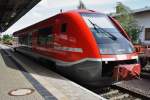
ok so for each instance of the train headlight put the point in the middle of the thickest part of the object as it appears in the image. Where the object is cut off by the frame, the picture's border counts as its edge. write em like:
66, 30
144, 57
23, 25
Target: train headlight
135, 57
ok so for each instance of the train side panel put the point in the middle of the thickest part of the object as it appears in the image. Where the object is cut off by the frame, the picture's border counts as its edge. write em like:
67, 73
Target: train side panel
72, 44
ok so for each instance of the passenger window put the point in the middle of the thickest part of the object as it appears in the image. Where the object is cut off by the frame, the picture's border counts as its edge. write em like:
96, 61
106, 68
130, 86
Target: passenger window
29, 39
64, 27
45, 36
23, 40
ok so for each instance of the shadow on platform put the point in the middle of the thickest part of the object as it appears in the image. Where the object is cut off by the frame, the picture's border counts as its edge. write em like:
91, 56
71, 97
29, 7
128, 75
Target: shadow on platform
30, 62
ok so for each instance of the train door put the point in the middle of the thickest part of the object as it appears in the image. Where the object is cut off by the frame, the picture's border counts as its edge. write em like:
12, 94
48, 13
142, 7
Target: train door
61, 39
34, 40
44, 40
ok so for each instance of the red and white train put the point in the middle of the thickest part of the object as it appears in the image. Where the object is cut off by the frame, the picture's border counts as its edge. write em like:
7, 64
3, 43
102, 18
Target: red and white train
84, 44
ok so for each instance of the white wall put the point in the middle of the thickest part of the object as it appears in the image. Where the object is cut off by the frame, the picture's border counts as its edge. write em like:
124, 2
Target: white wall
143, 19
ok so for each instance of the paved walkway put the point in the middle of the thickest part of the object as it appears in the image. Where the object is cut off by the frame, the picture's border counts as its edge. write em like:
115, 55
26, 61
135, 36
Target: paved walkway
42, 80
11, 78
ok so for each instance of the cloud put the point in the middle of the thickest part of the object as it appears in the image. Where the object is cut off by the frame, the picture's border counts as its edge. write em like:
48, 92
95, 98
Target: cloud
47, 8
65, 3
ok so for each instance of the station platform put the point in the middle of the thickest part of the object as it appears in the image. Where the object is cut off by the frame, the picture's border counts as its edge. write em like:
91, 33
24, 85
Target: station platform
23, 79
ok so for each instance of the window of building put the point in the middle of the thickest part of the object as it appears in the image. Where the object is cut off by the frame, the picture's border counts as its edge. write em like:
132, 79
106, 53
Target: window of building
147, 33
64, 27
45, 36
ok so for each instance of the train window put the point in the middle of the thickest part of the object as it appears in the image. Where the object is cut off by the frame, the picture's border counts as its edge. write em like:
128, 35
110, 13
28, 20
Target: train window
45, 36
20, 40
26, 39
29, 39
64, 27
23, 40
106, 34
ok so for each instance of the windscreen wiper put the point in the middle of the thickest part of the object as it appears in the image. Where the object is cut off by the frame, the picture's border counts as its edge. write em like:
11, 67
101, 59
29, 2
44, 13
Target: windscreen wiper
102, 30
94, 26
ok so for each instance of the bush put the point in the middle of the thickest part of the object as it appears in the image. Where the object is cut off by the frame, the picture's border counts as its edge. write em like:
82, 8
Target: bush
7, 39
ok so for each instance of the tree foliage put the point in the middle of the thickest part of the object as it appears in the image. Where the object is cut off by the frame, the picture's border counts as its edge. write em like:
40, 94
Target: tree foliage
7, 39
126, 18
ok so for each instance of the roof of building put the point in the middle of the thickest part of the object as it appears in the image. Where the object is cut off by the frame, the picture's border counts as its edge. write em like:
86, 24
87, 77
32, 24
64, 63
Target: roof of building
141, 10
13, 10
136, 11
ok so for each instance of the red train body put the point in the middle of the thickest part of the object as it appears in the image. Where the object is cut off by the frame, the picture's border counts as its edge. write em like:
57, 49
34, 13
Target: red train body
84, 44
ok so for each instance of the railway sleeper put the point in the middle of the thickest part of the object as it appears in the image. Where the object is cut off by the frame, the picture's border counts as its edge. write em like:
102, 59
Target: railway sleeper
119, 97
110, 93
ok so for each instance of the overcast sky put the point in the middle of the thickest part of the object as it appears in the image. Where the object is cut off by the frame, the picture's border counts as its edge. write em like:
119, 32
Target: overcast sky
48, 8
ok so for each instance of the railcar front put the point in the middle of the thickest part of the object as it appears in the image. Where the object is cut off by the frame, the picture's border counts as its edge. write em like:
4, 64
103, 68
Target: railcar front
116, 51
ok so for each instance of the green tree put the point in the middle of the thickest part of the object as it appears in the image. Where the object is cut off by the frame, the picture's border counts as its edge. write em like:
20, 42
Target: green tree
7, 39
126, 18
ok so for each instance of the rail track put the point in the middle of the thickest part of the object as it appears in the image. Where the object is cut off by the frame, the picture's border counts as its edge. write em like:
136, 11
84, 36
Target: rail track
118, 94
131, 90
121, 92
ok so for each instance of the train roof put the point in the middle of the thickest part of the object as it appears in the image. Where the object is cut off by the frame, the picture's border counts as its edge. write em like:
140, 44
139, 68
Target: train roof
71, 11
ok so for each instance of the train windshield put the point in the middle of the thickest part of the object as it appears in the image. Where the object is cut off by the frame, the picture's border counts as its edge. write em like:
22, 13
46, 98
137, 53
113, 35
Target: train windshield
107, 36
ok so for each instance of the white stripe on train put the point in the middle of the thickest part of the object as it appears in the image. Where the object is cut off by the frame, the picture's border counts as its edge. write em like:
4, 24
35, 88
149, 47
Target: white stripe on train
64, 63
69, 49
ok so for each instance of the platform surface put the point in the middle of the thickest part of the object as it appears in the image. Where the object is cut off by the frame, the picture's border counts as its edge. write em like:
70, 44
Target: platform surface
47, 84
11, 78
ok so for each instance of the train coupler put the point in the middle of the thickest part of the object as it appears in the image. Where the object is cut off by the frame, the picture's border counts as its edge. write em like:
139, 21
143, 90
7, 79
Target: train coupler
126, 72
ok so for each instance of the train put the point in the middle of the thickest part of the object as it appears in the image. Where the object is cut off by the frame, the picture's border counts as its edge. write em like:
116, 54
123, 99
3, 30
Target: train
86, 45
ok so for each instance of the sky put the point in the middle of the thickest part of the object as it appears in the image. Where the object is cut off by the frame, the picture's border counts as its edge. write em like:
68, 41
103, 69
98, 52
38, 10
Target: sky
48, 8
